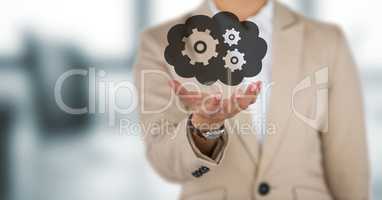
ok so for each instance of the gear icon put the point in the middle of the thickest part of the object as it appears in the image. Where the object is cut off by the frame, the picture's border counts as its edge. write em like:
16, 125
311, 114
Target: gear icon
231, 37
200, 47
234, 60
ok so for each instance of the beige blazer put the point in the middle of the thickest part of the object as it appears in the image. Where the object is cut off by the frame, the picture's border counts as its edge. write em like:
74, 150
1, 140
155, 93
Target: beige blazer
316, 147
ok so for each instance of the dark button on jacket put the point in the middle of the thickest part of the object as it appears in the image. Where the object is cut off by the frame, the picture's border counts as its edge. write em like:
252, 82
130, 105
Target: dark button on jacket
199, 172
264, 189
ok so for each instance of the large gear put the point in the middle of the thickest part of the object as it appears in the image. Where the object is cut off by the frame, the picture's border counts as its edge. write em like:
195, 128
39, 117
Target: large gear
234, 60
231, 37
200, 47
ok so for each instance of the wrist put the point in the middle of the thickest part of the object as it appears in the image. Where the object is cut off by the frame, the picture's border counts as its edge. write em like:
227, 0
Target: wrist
205, 123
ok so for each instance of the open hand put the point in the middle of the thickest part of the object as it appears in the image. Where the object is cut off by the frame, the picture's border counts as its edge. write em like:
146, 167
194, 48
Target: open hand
210, 110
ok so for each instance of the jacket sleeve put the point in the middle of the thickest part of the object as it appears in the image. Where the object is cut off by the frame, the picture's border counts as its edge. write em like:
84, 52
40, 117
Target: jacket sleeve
163, 119
345, 147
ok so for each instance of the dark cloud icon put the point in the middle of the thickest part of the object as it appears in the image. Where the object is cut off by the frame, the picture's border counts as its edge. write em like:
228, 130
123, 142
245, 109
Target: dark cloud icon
218, 48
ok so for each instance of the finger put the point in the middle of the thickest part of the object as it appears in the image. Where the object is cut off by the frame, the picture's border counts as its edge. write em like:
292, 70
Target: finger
178, 87
250, 96
253, 88
259, 86
189, 98
241, 100
252, 91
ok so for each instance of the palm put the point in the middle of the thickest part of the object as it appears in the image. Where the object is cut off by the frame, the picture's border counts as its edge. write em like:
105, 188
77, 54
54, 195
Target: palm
212, 106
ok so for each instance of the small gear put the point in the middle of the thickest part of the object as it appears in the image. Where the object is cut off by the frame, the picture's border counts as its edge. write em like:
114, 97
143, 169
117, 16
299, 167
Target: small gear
200, 47
231, 37
234, 60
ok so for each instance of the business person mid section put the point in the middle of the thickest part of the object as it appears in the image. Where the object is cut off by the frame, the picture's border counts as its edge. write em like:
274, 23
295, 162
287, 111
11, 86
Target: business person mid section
295, 131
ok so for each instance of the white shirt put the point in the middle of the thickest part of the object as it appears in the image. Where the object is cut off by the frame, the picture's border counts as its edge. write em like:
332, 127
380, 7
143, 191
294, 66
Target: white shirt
259, 110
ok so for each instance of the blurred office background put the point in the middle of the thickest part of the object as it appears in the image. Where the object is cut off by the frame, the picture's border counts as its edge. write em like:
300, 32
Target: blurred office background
46, 154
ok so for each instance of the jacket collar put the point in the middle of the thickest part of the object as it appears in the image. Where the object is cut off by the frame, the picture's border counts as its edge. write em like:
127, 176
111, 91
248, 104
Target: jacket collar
283, 16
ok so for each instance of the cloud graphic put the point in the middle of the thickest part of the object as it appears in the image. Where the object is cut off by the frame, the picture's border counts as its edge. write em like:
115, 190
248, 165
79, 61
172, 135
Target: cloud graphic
218, 48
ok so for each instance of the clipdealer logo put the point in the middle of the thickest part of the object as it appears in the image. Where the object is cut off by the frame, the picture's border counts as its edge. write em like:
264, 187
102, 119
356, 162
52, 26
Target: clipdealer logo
103, 95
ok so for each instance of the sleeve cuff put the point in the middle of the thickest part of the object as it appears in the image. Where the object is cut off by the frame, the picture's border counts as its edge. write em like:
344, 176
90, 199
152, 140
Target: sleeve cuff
218, 150
192, 160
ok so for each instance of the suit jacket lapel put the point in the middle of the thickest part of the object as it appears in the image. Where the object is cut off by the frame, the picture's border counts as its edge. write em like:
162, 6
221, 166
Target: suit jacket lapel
287, 52
247, 134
